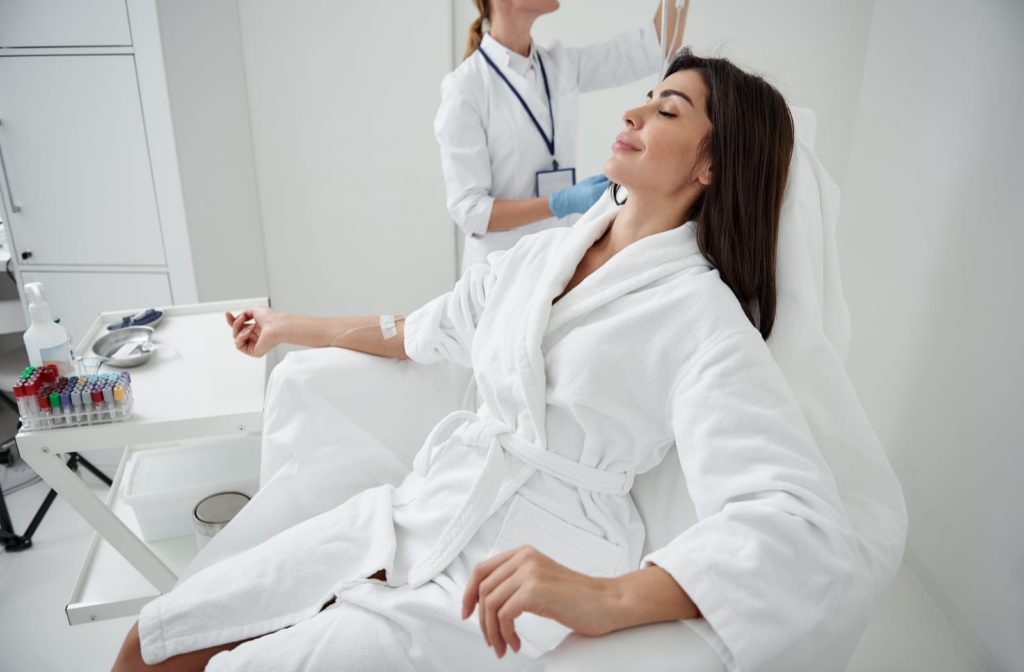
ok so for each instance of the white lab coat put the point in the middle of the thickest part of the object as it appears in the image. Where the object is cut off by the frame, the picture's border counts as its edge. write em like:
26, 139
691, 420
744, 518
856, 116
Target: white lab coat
489, 147
649, 351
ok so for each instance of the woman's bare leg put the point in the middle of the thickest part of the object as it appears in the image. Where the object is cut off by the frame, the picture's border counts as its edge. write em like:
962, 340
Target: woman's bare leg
129, 658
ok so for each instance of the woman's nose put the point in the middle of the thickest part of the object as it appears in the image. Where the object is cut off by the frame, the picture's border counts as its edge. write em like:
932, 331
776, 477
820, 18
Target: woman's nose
632, 118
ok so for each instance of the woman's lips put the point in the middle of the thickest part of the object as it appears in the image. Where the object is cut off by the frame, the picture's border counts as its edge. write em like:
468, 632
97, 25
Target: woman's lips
623, 145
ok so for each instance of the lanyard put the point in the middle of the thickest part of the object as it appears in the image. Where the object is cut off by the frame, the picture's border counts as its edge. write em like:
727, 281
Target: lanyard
549, 142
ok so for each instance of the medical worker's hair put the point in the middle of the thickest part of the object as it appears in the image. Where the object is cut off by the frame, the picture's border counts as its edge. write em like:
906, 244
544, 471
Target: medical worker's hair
749, 147
476, 29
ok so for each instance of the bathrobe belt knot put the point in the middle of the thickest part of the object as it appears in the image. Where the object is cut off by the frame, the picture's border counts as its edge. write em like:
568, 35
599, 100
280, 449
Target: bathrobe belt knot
499, 479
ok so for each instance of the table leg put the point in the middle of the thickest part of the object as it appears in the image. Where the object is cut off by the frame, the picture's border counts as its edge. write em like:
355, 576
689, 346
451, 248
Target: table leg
51, 468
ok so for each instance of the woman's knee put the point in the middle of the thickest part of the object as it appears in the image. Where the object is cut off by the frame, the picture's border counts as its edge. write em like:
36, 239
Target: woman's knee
129, 658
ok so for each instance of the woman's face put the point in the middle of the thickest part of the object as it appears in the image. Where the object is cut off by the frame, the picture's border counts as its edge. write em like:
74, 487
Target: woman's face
659, 151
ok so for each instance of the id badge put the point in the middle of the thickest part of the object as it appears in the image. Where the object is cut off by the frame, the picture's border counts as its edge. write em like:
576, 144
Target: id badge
550, 181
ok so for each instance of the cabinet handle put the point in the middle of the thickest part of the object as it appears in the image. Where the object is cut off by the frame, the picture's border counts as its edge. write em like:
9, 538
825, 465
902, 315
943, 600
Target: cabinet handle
7, 179
26, 255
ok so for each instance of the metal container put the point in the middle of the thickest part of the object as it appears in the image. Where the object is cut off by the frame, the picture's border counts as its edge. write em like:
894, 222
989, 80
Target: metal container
126, 347
212, 513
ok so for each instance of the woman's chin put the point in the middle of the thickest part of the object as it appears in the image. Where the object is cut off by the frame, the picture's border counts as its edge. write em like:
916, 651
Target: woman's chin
612, 170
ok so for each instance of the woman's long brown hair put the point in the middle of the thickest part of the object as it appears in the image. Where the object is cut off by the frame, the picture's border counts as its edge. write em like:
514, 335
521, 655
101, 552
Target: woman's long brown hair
476, 29
749, 146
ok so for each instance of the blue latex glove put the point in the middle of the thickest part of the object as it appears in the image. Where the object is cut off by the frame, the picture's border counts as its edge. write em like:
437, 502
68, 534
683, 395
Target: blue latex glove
577, 198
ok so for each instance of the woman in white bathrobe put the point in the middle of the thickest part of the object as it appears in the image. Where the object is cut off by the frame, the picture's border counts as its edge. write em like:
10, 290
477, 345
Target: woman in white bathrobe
595, 349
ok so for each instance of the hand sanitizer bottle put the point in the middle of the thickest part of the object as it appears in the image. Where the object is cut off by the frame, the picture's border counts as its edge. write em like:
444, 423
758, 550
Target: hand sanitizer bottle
45, 341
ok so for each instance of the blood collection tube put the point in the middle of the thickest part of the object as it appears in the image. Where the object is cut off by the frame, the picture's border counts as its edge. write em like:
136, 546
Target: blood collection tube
65, 405
55, 415
49, 373
108, 400
119, 397
96, 395
87, 405
19, 398
43, 402
76, 404
31, 390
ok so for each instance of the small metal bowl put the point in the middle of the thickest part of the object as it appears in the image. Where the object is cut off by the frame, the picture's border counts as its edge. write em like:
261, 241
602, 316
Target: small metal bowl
126, 347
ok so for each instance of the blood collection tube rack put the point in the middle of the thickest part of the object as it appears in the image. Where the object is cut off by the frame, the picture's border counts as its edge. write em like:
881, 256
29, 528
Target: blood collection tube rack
47, 400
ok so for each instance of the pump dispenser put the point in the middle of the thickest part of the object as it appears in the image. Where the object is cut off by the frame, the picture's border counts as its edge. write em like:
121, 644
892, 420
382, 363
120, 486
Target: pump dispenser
45, 341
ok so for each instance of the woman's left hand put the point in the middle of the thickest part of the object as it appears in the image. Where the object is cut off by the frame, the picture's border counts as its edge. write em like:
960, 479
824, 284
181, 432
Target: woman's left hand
525, 580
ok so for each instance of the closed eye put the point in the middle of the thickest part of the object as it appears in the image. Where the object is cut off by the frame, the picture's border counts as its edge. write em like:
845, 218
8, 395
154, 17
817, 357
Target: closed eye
667, 114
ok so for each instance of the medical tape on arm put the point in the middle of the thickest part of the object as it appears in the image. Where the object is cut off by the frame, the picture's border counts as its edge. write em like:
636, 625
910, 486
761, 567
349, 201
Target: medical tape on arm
387, 326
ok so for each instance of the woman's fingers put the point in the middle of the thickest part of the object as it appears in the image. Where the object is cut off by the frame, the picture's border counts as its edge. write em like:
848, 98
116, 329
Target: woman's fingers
240, 321
487, 591
237, 322
242, 340
497, 576
472, 594
491, 603
514, 606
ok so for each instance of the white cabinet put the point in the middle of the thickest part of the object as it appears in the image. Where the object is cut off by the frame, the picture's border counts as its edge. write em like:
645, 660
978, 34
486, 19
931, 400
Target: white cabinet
78, 176
63, 23
127, 176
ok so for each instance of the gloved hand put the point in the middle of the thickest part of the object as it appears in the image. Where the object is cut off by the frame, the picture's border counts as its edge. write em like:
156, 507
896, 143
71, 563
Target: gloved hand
577, 198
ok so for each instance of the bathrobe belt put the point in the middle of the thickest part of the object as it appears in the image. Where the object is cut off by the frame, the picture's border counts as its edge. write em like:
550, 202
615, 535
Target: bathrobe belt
498, 480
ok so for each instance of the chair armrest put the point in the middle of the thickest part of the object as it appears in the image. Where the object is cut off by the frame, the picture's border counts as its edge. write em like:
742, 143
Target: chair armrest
659, 647
396, 402
336, 422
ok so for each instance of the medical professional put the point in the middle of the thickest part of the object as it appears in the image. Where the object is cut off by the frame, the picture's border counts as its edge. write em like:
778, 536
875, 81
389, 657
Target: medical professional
507, 121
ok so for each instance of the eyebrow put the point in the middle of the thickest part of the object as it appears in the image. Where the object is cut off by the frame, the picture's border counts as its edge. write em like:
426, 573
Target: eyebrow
672, 92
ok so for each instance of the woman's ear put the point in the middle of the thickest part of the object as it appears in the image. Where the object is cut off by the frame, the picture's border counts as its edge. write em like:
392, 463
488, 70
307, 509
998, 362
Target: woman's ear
704, 172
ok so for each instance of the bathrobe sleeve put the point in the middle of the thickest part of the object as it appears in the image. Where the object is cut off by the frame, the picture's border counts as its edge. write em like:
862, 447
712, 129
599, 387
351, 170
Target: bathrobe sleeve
772, 552
622, 59
443, 329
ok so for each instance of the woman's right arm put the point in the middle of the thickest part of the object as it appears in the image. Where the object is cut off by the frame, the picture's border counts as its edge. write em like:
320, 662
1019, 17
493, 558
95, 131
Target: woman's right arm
258, 330
442, 329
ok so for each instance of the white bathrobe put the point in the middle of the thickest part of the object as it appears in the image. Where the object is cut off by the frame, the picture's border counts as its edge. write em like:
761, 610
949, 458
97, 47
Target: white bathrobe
649, 351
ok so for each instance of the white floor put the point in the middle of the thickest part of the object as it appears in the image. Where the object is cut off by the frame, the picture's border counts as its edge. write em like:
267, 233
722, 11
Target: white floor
909, 633
34, 587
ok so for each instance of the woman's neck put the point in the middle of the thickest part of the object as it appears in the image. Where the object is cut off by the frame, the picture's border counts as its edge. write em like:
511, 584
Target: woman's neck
644, 215
512, 30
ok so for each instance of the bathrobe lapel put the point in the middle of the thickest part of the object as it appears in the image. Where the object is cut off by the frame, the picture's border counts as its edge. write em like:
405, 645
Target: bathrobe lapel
638, 265
556, 267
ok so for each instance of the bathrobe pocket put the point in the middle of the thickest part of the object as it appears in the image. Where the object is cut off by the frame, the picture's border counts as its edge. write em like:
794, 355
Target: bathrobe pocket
577, 549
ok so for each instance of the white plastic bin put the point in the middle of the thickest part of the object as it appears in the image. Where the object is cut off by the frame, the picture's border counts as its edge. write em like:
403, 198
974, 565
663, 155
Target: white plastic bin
163, 484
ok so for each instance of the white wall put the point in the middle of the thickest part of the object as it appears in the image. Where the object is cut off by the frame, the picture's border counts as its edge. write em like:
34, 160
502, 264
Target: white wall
342, 99
931, 240
205, 74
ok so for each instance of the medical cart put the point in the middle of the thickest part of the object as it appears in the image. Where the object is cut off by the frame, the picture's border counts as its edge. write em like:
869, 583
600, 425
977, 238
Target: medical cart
195, 386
